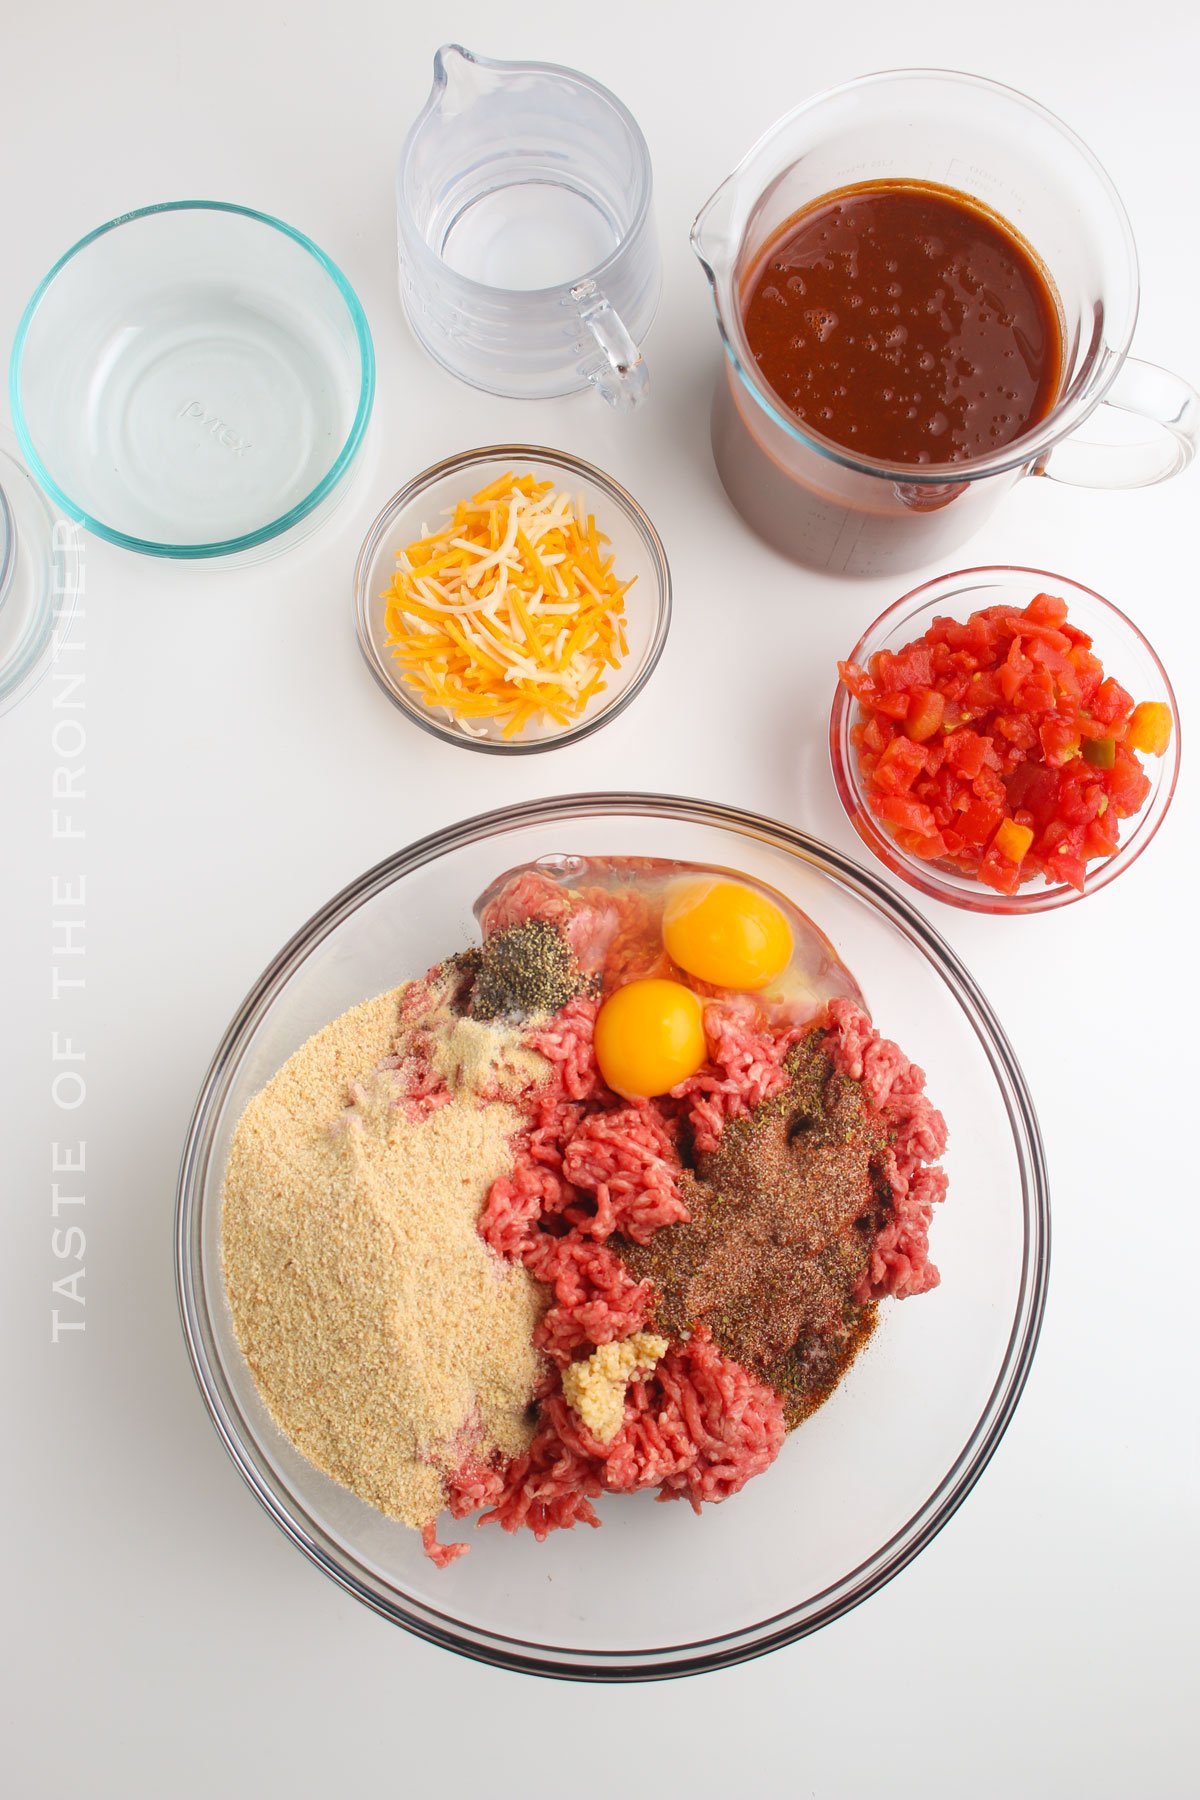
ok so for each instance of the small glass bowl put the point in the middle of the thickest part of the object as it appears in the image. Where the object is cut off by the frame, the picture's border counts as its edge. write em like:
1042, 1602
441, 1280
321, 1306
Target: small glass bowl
39, 579
1126, 656
637, 552
193, 380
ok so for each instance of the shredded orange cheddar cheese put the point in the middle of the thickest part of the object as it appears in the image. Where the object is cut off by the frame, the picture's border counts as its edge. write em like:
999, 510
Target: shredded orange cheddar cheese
511, 613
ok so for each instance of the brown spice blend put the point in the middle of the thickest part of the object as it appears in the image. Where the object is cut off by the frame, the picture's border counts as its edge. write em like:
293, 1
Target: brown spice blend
782, 1213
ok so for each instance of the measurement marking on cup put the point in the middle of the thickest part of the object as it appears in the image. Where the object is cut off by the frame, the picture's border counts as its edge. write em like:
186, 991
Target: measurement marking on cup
217, 428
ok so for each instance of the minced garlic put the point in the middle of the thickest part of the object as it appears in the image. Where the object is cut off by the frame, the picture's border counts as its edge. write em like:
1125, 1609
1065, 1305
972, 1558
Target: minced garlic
595, 1388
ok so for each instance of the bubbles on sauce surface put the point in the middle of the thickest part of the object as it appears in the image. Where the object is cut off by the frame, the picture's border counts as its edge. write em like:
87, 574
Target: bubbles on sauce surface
979, 316
822, 324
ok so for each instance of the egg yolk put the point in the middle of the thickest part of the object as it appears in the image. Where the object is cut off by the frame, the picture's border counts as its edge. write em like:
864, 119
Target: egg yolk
649, 1036
726, 933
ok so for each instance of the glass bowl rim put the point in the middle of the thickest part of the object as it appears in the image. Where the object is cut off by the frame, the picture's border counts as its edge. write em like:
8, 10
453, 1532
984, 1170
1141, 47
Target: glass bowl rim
273, 528
924, 876
8, 542
52, 558
745, 1642
463, 460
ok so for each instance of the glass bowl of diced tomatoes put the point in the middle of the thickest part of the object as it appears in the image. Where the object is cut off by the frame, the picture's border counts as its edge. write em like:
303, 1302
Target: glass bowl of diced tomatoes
1004, 739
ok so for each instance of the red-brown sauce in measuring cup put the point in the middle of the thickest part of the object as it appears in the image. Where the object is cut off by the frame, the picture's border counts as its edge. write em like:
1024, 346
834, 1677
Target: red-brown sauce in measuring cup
906, 322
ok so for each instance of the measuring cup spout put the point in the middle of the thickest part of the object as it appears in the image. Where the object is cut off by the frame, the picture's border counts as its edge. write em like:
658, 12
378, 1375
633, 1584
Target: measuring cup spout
715, 233
459, 79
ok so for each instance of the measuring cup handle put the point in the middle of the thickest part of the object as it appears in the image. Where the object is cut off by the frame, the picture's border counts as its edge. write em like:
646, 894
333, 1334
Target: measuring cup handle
618, 371
1170, 407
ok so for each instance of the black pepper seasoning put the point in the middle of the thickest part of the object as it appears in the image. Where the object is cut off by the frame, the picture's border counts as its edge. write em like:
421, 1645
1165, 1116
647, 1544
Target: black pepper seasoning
523, 971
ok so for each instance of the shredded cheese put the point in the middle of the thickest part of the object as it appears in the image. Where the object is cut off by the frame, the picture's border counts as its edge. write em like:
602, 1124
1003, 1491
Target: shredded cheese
510, 614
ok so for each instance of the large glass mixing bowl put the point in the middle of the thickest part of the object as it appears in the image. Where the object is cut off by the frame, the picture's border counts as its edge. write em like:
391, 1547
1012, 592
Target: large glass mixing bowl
859, 1488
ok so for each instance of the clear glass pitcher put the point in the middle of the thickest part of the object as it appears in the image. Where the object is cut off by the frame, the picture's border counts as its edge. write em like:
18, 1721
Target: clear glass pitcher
834, 510
529, 262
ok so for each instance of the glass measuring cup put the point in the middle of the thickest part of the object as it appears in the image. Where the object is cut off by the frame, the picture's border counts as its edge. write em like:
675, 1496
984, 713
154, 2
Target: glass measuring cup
835, 510
529, 262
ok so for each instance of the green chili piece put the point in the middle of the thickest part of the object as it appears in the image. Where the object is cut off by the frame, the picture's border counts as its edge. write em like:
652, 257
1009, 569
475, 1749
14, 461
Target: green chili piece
1100, 752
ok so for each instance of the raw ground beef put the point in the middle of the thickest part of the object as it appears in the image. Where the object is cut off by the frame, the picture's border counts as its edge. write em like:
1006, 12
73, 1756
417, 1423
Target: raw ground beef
590, 1164
899, 1260
698, 1428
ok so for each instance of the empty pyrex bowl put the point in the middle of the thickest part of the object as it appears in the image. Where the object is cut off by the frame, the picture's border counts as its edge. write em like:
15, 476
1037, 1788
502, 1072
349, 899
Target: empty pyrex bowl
861, 1487
193, 380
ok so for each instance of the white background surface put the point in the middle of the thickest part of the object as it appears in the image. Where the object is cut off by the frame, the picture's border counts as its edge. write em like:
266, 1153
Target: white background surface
162, 1638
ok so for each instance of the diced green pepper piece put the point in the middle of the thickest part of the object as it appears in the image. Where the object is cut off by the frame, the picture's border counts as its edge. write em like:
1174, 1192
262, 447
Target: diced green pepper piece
1100, 752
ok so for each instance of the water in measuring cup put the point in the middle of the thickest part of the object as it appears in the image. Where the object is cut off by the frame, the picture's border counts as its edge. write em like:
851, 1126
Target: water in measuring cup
529, 234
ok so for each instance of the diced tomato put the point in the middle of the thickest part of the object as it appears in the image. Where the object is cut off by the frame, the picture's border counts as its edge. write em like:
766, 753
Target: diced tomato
1100, 837
1017, 728
983, 694
894, 672
1127, 784
999, 872
997, 744
978, 821
1110, 702
1038, 693
896, 809
1010, 676
1076, 636
899, 766
1079, 799
1066, 864
925, 709
871, 736
939, 788
1066, 681
1042, 643
1059, 740
987, 785
1092, 727
1089, 671
857, 680
1034, 789
1047, 609
965, 752
928, 849
914, 666
976, 634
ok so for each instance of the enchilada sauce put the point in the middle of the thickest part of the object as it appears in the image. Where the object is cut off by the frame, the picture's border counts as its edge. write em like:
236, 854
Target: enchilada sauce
906, 322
